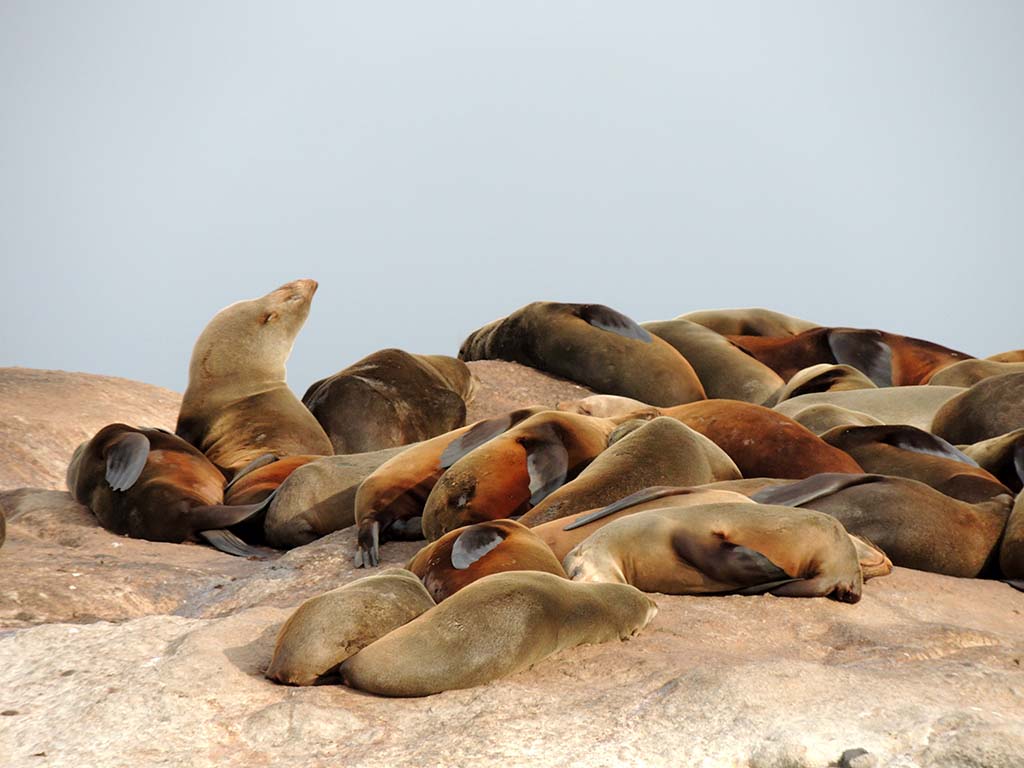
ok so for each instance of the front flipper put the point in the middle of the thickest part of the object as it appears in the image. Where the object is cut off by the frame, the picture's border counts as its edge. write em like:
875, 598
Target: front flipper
814, 487
729, 563
608, 319
126, 458
478, 434
638, 497
224, 515
864, 350
474, 544
368, 544
262, 461
230, 544
547, 463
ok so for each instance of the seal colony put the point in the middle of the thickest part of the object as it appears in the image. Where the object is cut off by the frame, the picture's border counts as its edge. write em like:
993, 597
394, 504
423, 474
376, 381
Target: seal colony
723, 452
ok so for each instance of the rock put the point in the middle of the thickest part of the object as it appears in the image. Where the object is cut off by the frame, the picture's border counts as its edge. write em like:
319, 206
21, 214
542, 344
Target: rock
504, 386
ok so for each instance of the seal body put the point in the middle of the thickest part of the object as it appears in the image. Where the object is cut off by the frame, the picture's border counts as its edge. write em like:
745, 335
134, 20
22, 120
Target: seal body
237, 406
467, 554
823, 378
391, 398
499, 625
608, 406
257, 485
1003, 456
329, 628
990, 408
751, 321
915, 405
592, 345
969, 372
718, 548
821, 418
1011, 549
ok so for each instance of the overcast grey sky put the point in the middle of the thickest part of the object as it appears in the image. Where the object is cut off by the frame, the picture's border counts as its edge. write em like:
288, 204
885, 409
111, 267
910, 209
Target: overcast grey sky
437, 165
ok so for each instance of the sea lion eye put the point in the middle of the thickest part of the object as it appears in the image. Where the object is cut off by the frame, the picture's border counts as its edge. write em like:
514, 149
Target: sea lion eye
268, 317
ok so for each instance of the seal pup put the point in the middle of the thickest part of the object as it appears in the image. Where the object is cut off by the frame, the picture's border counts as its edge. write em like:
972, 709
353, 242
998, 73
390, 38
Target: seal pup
592, 345
391, 398
149, 484
237, 406
467, 554
915, 406
329, 628
502, 624
723, 548
990, 408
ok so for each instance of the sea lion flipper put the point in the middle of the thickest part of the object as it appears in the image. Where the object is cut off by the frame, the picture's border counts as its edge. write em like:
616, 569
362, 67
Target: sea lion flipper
230, 544
731, 563
1018, 460
865, 351
607, 319
473, 544
126, 458
368, 545
919, 441
1016, 583
811, 488
477, 435
262, 461
637, 497
547, 463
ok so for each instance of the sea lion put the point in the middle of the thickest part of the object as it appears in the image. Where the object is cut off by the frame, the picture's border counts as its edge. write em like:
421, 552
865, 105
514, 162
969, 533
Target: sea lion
821, 418
723, 548
967, 373
762, 442
391, 398
150, 484
327, 629
823, 378
915, 406
1011, 549
237, 406
255, 483
911, 452
389, 503
501, 624
592, 345
515, 471
916, 525
1013, 356
990, 408
725, 370
660, 452
752, 321
607, 406
1003, 456
467, 554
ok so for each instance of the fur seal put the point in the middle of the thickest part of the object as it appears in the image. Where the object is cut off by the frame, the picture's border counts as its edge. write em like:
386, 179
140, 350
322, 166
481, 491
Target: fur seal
256, 482
515, 471
725, 370
753, 321
969, 372
467, 554
391, 398
990, 408
1013, 356
389, 503
659, 452
911, 452
150, 484
592, 345
607, 406
501, 624
1003, 456
823, 378
915, 406
762, 442
237, 406
917, 526
821, 418
723, 548
327, 629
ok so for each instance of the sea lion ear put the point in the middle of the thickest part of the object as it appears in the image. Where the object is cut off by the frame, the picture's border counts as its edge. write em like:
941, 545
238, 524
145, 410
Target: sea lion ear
126, 458
268, 317
607, 319
865, 351
547, 463
473, 544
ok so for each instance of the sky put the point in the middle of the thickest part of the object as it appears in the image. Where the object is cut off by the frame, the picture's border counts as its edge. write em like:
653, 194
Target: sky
437, 165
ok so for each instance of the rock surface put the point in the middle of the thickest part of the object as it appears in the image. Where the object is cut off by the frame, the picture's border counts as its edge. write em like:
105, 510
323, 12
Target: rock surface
115, 651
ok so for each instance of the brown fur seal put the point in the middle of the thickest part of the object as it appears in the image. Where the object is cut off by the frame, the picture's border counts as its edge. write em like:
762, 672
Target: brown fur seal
752, 321
150, 484
969, 372
607, 406
762, 442
823, 378
389, 503
515, 471
237, 406
592, 345
990, 408
725, 370
467, 554
391, 398
1013, 356
915, 406
660, 452
501, 624
821, 418
1003, 456
327, 629
910, 452
917, 526
255, 483
722, 548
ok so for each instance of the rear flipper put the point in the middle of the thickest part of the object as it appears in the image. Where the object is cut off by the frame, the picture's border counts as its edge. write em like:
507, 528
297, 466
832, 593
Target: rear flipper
820, 586
227, 542
728, 563
262, 461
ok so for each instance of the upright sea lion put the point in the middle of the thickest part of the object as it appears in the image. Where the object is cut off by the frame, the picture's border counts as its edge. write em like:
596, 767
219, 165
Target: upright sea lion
990, 408
725, 370
389, 503
823, 378
467, 554
501, 624
762, 442
660, 452
967, 373
917, 526
150, 484
821, 418
592, 345
391, 398
1003, 456
515, 471
327, 629
721, 548
752, 321
237, 406
915, 406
